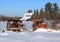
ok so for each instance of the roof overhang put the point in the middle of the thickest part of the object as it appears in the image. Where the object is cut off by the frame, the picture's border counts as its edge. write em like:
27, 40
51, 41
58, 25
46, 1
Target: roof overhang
26, 16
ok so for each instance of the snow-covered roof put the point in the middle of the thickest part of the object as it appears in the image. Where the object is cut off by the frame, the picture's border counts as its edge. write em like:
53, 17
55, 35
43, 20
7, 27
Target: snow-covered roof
26, 16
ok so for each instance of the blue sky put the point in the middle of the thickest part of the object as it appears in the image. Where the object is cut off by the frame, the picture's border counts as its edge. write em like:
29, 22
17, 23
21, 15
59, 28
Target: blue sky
19, 7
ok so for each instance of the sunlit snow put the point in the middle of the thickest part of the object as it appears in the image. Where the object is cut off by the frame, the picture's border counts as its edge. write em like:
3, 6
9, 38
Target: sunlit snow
27, 36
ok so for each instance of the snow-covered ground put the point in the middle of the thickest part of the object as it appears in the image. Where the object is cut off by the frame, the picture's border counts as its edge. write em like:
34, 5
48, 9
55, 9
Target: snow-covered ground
27, 36
2, 25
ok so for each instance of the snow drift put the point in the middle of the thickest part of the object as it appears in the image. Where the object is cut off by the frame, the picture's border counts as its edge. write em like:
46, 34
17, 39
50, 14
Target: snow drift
27, 36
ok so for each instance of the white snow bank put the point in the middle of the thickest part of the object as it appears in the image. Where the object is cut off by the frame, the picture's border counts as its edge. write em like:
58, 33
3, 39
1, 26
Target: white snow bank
4, 34
45, 30
31, 37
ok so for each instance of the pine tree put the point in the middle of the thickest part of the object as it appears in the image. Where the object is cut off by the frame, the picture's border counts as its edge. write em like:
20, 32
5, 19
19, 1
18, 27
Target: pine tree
55, 9
37, 11
47, 16
48, 9
48, 6
34, 16
29, 11
41, 15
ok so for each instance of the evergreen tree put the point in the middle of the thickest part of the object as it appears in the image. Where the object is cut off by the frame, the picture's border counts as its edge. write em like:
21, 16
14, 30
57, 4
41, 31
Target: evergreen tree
37, 12
55, 9
47, 16
29, 11
34, 16
48, 10
48, 6
41, 15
